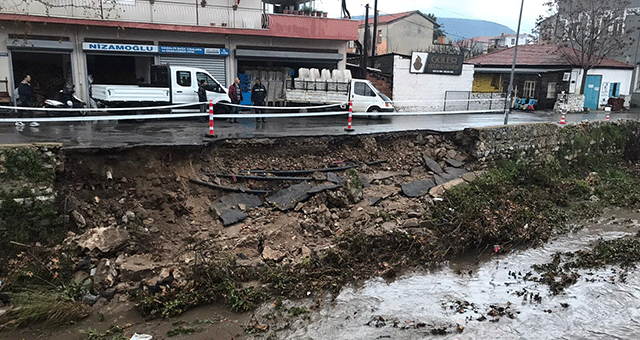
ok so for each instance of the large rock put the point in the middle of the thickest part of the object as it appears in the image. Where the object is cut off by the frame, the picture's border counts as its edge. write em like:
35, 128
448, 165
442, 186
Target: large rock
288, 198
419, 188
104, 239
136, 267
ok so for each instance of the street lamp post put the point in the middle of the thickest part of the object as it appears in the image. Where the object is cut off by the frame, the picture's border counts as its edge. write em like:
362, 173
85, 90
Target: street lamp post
513, 70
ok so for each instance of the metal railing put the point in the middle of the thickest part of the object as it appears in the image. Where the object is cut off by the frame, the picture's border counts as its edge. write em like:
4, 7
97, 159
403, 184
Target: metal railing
157, 12
473, 101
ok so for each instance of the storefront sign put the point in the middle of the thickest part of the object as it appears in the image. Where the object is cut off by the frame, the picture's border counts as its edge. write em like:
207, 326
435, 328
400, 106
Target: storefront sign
4, 54
119, 48
436, 63
194, 50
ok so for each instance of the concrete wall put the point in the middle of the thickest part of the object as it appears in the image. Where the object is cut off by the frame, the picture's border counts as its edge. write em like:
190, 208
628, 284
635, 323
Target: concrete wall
425, 92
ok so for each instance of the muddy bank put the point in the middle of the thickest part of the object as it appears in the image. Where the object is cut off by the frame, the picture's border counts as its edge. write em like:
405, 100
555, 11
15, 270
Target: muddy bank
242, 222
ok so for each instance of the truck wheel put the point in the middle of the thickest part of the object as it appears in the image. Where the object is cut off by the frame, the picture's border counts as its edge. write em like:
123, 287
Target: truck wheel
374, 109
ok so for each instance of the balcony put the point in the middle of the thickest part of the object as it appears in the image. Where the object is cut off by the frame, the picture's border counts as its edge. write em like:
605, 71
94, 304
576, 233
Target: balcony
168, 12
194, 16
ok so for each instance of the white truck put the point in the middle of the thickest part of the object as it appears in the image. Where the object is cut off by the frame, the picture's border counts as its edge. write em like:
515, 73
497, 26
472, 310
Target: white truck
169, 85
365, 97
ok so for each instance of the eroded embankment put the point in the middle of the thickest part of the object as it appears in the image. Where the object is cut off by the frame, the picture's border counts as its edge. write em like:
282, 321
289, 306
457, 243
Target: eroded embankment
378, 206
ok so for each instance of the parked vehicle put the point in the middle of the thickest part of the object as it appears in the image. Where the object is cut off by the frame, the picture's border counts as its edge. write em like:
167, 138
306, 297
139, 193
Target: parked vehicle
337, 90
169, 85
66, 99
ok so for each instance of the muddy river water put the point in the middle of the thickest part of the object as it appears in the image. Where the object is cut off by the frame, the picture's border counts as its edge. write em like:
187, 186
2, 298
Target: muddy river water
486, 301
478, 298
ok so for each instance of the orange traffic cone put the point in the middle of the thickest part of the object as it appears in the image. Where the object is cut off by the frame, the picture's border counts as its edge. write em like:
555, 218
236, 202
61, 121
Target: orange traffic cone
562, 120
607, 116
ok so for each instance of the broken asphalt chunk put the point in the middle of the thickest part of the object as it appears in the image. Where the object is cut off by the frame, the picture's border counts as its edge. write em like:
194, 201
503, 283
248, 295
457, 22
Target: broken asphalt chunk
419, 188
454, 163
432, 165
232, 216
288, 198
324, 187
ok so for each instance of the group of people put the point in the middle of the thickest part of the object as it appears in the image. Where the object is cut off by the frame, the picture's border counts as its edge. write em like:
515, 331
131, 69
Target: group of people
258, 96
23, 99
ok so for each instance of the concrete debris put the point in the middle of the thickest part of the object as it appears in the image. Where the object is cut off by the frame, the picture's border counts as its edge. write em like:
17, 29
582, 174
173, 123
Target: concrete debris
439, 190
271, 254
419, 188
106, 274
135, 267
128, 217
105, 240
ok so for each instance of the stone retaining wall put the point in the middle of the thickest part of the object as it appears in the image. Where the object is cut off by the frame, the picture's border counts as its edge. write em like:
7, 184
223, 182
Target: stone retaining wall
541, 141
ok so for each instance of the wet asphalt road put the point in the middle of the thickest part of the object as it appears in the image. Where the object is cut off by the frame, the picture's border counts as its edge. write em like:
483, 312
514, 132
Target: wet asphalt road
105, 134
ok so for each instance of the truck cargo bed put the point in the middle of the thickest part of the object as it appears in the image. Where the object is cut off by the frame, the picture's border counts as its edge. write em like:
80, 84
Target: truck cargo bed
130, 93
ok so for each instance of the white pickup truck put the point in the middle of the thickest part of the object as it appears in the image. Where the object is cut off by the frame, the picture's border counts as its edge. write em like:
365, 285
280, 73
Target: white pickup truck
365, 97
169, 85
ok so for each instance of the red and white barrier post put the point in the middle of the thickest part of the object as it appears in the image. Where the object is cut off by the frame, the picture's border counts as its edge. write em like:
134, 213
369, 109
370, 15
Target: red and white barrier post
211, 133
348, 128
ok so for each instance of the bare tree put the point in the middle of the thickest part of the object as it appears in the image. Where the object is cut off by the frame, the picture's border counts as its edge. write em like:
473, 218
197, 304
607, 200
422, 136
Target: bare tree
588, 31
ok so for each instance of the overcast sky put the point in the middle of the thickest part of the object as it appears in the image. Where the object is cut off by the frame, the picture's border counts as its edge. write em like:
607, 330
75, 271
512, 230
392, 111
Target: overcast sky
504, 12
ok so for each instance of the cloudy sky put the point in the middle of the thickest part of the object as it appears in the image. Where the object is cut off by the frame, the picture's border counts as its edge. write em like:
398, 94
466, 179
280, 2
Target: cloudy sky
504, 12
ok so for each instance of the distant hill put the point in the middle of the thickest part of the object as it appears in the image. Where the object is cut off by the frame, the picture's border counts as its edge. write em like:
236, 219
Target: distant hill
458, 29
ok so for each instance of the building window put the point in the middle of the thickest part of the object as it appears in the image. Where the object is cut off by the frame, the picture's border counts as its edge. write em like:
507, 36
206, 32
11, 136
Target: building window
184, 78
529, 89
379, 39
551, 90
513, 41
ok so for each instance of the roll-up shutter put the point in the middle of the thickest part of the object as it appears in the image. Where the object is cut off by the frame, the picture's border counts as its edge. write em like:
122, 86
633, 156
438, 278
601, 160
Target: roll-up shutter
215, 66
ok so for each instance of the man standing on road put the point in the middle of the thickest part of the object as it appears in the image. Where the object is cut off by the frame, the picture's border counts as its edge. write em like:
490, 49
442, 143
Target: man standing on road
202, 96
24, 99
258, 93
235, 94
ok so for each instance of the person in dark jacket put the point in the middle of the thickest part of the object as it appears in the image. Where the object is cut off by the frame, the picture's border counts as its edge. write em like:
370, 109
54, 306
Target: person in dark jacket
202, 95
235, 95
258, 94
24, 99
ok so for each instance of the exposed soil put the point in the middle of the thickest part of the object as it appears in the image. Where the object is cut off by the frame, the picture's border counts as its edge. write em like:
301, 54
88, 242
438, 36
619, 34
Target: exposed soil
133, 214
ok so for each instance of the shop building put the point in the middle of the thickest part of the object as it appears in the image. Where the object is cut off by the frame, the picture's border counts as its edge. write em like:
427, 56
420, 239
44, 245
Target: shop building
70, 41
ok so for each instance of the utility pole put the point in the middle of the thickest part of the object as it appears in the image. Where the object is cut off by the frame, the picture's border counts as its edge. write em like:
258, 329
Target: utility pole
374, 34
364, 43
513, 71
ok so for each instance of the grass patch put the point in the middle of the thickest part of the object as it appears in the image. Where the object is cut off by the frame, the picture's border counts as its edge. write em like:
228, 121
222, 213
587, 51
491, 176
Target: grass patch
31, 307
114, 333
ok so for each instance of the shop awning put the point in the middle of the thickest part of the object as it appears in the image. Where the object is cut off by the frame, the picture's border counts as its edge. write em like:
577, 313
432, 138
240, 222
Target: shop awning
519, 70
17, 44
286, 55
